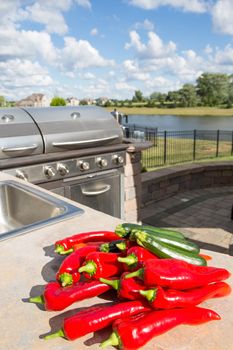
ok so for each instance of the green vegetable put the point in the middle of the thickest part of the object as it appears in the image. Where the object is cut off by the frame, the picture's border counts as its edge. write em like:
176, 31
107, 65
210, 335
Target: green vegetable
166, 251
126, 229
176, 243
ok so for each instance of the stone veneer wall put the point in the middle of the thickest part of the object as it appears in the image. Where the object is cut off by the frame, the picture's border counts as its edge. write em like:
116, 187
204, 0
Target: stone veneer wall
166, 182
132, 186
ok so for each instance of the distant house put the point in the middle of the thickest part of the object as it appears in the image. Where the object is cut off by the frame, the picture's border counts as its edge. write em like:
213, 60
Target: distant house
34, 100
87, 101
102, 100
72, 101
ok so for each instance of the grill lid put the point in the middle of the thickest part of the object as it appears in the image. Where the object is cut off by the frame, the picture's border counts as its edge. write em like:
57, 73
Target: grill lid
66, 128
19, 135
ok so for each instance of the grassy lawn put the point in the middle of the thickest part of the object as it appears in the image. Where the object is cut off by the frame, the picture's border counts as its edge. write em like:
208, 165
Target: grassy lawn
179, 150
211, 111
220, 159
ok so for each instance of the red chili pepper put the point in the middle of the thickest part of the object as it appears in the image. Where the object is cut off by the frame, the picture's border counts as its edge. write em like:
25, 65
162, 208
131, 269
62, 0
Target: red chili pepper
81, 245
65, 245
99, 264
136, 257
56, 298
134, 332
178, 274
93, 319
160, 298
68, 271
129, 288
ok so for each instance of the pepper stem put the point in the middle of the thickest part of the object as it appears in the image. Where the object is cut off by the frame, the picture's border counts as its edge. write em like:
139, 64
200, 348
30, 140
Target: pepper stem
38, 300
148, 294
57, 334
104, 247
89, 268
131, 259
59, 248
113, 340
66, 279
113, 283
121, 246
120, 231
69, 251
138, 273
140, 235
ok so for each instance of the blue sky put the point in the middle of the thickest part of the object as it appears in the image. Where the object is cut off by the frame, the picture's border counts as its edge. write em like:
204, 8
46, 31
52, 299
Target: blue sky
110, 48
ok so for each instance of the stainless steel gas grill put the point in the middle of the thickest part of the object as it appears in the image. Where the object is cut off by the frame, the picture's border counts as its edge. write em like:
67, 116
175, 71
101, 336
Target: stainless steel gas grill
76, 152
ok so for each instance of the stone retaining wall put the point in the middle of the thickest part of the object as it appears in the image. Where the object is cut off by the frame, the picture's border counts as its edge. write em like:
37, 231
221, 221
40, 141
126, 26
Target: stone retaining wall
164, 183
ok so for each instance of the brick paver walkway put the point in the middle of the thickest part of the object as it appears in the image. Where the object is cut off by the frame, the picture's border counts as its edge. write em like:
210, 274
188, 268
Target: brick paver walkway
202, 215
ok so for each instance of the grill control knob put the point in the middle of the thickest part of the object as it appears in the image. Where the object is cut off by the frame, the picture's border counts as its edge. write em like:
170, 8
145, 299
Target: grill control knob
49, 171
102, 162
83, 165
63, 169
118, 159
21, 175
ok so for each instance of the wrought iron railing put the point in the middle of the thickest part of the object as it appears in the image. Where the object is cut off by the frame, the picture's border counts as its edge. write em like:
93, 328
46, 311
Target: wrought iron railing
172, 147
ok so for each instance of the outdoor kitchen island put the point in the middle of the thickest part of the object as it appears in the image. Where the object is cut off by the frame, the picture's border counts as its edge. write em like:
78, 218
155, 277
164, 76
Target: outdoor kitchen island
28, 262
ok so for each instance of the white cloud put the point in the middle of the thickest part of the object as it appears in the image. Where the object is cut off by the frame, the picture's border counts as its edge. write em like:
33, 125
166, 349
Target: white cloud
84, 3
62, 5
34, 45
48, 14
94, 31
88, 76
135, 42
11, 12
161, 84
146, 24
154, 48
26, 44
112, 73
186, 5
208, 49
78, 54
133, 72
222, 16
121, 85
18, 76
225, 57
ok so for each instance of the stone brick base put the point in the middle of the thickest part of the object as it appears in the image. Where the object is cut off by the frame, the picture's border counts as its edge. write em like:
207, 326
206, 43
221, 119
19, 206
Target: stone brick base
132, 183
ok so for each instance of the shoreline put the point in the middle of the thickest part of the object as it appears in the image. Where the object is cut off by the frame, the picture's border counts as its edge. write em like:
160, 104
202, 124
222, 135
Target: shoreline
198, 111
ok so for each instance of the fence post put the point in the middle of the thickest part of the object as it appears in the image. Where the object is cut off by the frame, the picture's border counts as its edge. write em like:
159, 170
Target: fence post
232, 143
165, 147
217, 143
146, 134
194, 143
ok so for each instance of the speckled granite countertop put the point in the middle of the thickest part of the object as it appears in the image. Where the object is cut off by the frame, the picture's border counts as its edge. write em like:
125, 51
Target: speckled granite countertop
28, 262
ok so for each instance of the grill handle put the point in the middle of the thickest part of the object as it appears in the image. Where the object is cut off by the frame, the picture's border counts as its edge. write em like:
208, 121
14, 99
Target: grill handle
96, 193
86, 142
19, 149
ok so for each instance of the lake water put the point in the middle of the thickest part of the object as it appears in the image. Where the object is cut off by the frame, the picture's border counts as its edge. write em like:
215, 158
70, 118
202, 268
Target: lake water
173, 122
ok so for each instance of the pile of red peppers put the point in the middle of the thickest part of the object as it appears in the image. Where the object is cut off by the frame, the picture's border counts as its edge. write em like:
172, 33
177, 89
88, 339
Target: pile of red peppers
153, 295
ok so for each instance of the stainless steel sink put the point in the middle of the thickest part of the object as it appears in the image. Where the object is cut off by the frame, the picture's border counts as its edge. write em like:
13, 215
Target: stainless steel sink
24, 208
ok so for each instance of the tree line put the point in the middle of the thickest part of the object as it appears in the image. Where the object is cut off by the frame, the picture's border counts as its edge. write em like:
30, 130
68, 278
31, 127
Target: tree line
211, 89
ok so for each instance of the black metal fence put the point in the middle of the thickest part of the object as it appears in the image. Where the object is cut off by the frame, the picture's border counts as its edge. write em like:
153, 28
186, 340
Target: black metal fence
172, 147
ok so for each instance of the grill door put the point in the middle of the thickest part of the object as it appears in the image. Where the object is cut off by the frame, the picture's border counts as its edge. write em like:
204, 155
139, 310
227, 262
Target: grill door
100, 191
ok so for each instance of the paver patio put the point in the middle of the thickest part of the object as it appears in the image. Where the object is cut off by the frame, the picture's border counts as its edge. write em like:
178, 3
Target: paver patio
204, 216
